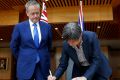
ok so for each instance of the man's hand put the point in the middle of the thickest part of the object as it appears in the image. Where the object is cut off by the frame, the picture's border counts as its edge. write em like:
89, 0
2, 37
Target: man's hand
50, 77
79, 78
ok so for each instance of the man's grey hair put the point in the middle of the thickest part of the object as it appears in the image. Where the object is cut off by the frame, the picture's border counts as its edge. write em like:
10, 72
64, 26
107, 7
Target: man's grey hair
71, 31
31, 2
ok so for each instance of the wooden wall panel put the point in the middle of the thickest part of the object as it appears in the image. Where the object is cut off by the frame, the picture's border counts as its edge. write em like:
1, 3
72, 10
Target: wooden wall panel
91, 13
9, 17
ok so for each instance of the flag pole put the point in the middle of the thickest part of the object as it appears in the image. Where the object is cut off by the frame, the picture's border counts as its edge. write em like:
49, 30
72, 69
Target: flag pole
44, 12
81, 16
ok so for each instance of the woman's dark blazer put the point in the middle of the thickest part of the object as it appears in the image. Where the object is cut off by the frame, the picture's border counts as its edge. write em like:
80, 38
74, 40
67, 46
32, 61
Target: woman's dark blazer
99, 65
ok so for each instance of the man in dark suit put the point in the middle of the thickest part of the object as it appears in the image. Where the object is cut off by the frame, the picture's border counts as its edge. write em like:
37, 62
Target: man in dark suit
84, 49
31, 43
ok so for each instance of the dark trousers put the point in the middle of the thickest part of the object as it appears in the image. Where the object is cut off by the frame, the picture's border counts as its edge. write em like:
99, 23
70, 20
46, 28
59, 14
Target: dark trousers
37, 75
98, 77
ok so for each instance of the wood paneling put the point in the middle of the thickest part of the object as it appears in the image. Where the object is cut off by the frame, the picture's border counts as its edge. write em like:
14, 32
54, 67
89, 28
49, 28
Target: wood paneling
9, 17
91, 13
106, 15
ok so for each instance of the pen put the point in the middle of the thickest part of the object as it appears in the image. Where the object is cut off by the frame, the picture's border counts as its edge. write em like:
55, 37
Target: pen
50, 72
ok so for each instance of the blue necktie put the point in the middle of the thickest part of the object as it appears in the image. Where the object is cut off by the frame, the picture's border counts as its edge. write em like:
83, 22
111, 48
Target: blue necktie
36, 37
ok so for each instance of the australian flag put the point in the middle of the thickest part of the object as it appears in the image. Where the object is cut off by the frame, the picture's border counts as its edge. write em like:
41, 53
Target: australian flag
81, 18
44, 16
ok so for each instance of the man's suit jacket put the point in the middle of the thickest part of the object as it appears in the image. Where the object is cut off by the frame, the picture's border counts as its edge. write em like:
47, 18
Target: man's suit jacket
98, 63
25, 51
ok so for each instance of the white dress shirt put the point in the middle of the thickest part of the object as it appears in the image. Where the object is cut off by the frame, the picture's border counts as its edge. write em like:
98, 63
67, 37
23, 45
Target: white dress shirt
32, 30
39, 33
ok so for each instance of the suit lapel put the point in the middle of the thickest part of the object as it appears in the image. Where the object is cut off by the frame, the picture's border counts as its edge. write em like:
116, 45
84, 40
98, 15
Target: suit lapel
85, 45
72, 53
28, 31
42, 31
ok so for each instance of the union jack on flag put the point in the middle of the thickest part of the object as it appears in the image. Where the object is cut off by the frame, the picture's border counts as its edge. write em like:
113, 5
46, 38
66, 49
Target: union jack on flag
81, 18
44, 13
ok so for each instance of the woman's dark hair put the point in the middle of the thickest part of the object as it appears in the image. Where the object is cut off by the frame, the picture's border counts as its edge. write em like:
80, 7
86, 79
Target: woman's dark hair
71, 31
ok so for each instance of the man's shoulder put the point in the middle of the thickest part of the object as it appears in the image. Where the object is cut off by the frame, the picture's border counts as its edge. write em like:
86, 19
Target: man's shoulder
41, 22
22, 23
88, 33
44, 24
